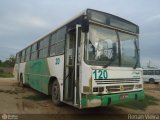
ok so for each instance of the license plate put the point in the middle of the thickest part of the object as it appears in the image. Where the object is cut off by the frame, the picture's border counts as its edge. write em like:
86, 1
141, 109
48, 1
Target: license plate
124, 96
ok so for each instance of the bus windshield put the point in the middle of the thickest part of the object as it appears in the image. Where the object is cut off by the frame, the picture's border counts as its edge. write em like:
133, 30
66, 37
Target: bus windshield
103, 47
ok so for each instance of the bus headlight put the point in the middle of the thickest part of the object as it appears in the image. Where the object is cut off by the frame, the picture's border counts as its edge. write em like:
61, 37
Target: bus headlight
101, 89
95, 89
98, 89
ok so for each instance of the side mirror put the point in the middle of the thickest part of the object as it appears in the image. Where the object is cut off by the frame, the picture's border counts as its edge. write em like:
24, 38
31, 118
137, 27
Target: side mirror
85, 25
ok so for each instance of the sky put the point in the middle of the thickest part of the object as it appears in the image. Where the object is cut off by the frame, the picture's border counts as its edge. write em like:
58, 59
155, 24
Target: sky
24, 21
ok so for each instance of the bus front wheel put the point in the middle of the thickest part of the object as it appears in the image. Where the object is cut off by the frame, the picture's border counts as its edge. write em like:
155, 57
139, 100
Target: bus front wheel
56, 93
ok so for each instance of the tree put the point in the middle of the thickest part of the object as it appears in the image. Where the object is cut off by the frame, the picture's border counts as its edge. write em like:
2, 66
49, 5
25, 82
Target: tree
8, 62
12, 60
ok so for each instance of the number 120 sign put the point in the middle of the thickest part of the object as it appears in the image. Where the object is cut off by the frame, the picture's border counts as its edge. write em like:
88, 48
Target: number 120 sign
99, 74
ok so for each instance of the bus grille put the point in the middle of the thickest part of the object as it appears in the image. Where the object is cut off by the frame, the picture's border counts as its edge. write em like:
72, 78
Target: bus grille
119, 88
117, 81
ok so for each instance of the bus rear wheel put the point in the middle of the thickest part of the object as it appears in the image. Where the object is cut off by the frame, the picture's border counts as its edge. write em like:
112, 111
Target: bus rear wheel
56, 93
151, 80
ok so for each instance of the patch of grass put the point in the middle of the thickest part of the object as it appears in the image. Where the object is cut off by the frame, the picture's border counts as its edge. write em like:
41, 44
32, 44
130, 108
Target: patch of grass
37, 97
5, 75
140, 104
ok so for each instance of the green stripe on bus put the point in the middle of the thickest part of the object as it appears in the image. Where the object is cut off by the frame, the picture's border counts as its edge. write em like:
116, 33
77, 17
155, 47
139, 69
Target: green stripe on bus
110, 99
37, 75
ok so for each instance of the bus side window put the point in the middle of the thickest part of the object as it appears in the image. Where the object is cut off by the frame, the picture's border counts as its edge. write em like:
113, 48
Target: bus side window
17, 58
20, 56
34, 51
144, 72
43, 47
52, 44
23, 56
28, 53
150, 72
61, 34
60, 48
60, 37
157, 72
57, 42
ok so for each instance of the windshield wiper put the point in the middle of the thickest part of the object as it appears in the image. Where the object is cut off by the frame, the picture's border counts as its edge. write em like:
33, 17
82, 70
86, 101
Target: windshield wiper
137, 60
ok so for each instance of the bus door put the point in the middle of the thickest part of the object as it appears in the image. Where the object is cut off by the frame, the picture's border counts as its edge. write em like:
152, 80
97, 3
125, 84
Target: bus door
72, 62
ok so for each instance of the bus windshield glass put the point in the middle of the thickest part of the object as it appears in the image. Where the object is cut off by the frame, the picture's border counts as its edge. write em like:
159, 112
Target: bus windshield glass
103, 47
129, 49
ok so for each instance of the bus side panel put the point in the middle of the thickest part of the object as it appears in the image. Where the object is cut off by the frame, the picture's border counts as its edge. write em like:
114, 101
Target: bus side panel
22, 70
15, 71
56, 67
146, 78
37, 75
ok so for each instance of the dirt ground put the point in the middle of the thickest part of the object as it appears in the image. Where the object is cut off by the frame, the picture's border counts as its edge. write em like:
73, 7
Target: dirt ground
17, 100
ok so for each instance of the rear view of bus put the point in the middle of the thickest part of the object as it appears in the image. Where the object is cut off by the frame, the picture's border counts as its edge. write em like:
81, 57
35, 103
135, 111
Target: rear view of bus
91, 61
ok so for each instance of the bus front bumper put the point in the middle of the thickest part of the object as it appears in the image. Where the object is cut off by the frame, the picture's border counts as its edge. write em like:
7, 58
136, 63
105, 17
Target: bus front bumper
105, 100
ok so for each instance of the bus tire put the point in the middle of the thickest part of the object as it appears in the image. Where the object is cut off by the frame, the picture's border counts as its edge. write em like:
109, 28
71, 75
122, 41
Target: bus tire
21, 81
56, 93
151, 80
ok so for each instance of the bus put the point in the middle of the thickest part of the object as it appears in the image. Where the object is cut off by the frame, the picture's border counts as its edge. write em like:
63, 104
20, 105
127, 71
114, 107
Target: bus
91, 61
151, 75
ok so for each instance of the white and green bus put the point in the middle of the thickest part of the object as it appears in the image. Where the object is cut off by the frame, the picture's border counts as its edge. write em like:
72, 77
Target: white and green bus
91, 61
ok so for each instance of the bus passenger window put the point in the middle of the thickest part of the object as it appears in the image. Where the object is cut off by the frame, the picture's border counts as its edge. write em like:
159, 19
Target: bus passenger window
57, 42
144, 72
150, 72
23, 56
17, 58
157, 72
43, 47
28, 53
34, 51
60, 48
